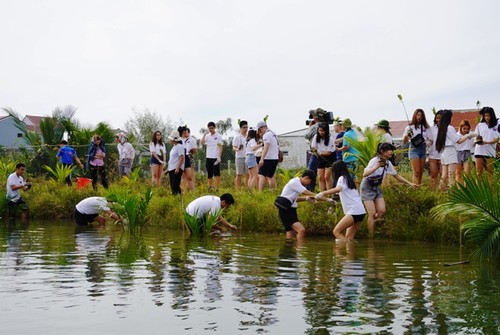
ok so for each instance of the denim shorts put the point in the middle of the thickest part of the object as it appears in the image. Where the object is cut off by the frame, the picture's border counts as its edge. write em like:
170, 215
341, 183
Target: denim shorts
251, 161
418, 152
463, 156
370, 193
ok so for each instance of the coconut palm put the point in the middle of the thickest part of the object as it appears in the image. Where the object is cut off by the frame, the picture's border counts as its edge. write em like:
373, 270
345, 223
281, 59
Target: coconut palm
477, 202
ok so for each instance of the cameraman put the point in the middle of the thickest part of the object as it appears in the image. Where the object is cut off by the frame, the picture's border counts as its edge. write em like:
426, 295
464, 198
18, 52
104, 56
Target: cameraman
15, 182
317, 117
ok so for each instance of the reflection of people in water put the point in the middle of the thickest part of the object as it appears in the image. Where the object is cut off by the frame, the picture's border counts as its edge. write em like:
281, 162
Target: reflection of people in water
92, 245
351, 277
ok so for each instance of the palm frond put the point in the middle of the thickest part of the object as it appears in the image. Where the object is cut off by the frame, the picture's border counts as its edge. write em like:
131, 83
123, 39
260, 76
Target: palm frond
60, 173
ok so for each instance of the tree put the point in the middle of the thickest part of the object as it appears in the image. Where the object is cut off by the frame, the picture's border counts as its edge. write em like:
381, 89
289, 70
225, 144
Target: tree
223, 126
144, 123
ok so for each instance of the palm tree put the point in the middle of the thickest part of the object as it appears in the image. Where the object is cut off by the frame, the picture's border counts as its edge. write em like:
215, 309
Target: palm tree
478, 203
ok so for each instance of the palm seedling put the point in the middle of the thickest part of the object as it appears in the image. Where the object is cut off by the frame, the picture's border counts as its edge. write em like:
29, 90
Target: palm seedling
199, 226
60, 173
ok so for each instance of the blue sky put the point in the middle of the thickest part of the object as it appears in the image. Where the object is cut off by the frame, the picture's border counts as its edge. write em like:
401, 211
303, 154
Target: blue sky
199, 61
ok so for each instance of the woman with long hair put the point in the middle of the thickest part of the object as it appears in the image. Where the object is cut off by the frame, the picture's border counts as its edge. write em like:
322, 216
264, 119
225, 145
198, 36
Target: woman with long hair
251, 159
353, 209
323, 146
446, 141
434, 155
464, 150
486, 141
415, 133
158, 157
190, 146
373, 175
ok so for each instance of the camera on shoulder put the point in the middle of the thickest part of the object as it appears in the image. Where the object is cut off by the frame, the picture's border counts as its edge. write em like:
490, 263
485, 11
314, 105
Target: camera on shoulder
319, 113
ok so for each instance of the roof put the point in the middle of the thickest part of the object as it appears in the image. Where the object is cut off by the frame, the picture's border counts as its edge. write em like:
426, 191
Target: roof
33, 122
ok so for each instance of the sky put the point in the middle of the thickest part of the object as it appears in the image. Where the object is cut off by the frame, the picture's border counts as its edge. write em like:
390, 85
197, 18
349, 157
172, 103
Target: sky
195, 61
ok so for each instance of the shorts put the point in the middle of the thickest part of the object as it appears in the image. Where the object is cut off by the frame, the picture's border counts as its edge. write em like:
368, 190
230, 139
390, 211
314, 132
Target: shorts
241, 167
17, 202
187, 161
358, 217
83, 219
154, 161
212, 169
449, 155
418, 152
251, 161
268, 168
326, 161
463, 156
288, 217
370, 193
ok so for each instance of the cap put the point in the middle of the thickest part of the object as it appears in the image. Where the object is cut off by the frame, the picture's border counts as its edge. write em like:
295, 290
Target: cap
174, 136
261, 124
383, 124
346, 123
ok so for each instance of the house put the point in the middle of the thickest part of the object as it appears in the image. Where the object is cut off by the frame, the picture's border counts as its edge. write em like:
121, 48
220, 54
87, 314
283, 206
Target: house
32, 122
10, 136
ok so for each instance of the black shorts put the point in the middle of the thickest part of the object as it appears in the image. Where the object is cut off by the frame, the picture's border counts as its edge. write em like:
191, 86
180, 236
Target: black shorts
83, 219
358, 217
288, 217
212, 169
187, 161
326, 161
268, 168
154, 161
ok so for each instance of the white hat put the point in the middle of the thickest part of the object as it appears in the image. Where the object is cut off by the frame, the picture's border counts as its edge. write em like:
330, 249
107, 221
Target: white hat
174, 136
261, 124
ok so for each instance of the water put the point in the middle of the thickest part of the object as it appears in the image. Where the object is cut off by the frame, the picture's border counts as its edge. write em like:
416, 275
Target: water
56, 279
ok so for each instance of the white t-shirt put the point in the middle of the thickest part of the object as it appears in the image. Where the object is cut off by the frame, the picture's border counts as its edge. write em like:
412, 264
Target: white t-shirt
321, 145
387, 138
158, 149
467, 145
203, 205
250, 144
389, 168
420, 130
176, 153
189, 144
432, 134
240, 141
451, 137
126, 151
292, 190
92, 205
213, 142
488, 134
15, 180
271, 139
350, 199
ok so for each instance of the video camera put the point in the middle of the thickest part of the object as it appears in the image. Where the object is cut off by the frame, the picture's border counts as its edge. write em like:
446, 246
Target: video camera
321, 114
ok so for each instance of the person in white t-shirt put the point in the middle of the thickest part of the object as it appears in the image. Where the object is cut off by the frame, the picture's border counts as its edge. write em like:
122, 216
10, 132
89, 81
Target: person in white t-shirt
251, 158
487, 132
176, 162
371, 191
126, 155
213, 142
353, 209
464, 150
239, 147
269, 158
287, 203
89, 209
323, 147
210, 204
158, 157
15, 182
434, 155
190, 146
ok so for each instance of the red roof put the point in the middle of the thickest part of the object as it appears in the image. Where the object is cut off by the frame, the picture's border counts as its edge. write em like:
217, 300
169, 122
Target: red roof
33, 122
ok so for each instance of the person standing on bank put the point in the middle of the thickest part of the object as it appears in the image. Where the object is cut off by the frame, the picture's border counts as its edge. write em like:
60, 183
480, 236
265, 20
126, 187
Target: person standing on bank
269, 159
434, 155
287, 203
95, 163
67, 155
190, 146
126, 155
239, 147
158, 157
251, 159
88, 210
213, 141
487, 137
15, 182
415, 133
323, 146
373, 175
312, 160
349, 153
176, 162
464, 150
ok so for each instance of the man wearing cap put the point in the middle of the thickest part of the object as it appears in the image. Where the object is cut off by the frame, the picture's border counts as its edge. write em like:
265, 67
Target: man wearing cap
239, 147
339, 138
126, 155
213, 141
349, 153
176, 161
269, 159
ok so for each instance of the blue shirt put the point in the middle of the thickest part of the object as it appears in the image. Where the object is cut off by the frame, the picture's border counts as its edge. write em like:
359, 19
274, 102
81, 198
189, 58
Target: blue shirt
66, 153
349, 153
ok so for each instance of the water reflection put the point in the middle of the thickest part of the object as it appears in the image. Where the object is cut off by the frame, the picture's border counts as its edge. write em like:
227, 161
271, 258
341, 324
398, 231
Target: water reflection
244, 283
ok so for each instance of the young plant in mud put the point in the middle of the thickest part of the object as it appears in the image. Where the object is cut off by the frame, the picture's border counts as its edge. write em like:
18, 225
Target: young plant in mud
60, 173
131, 207
199, 226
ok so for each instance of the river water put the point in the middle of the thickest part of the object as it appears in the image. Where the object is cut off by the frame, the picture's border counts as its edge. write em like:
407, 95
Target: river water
58, 279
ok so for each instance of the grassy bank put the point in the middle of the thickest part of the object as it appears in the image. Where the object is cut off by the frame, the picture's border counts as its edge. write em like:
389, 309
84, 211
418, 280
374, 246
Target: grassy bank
407, 215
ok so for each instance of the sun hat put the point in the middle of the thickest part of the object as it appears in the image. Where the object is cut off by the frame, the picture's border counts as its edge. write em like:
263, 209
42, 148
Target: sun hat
261, 124
174, 136
383, 124
346, 123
